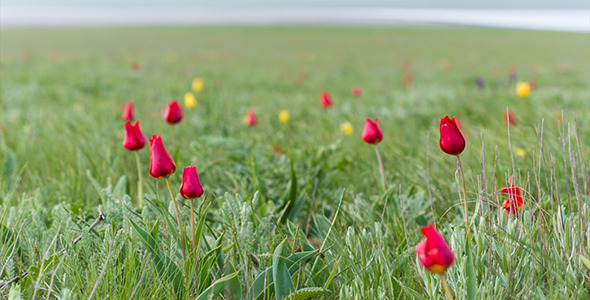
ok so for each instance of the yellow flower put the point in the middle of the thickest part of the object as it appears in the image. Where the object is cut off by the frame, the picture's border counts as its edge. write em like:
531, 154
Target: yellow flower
198, 85
284, 116
189, 100
523, 89
171, 57
520, 152
346, 128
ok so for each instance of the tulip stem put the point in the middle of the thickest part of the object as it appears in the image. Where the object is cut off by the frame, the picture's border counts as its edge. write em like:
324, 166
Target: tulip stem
172, 137
180, 231
464, 195
193, 239
139, 180
381, 168
445, 284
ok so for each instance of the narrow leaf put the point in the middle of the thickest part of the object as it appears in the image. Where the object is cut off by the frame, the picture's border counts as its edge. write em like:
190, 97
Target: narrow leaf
280, 273
217, 287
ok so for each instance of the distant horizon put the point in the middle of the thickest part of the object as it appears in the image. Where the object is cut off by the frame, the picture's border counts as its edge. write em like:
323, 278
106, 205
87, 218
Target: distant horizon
401, 4
553, 20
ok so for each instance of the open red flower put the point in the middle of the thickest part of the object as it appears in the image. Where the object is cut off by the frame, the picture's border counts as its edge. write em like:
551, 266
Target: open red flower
250, 118
451, 138
326, 100
356, 91
513, 203
161, 164
128, 112
371, 132
191, 186
509, 118
134, 138
433, 252
173, 113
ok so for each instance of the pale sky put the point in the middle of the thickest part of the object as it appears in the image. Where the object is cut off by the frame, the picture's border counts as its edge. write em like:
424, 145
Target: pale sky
460, 4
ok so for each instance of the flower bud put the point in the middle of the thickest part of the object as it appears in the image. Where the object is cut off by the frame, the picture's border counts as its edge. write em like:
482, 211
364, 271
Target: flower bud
451, 138
134, 139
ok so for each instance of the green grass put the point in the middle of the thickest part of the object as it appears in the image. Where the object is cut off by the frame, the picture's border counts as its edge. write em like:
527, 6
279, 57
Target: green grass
61, 96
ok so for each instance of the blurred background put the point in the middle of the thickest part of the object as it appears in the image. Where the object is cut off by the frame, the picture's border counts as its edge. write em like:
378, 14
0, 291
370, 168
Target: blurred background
566, 15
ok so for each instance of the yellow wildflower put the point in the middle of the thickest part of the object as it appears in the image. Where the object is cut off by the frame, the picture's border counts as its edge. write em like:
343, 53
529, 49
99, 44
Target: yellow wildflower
284, 116
523, 89
189, 100
346, 128
198, 85
520, 152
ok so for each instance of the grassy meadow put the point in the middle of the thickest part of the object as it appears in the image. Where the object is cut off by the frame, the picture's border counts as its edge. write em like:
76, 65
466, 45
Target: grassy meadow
293, 210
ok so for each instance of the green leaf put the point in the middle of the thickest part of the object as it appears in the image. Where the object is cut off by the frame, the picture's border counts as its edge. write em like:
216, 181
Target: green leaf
146, 238
280, 273
586, 261
410, 291
199, 230
292, 196
217, 287
14, 293
264, 283
309, 292
234, 284
469, 269
120, 188
165, 267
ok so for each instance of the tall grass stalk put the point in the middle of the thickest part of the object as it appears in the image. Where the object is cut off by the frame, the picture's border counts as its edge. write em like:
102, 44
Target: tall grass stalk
139, 181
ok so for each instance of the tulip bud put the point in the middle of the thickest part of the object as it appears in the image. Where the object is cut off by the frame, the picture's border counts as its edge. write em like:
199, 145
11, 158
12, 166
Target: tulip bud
173, 113
451, 138
134, 139
433, 252
128, 112
250, 118
356, 91
161, 164
326, 100
191, 186
509, 118
371, 132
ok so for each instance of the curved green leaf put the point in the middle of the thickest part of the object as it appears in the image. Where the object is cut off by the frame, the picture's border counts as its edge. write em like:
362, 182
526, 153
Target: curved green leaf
280, 272
217, 287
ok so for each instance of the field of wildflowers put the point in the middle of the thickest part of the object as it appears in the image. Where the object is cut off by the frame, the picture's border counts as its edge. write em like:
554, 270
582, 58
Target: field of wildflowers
294, 163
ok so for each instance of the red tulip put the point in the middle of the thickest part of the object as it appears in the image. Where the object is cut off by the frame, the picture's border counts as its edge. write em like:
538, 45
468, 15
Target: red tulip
513, 203
371, 132
134, 139
250, 118
191, 186
326, 100
433, 252
161, 164
509, 118
128, 112
173, 113
451, 138
356, 91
